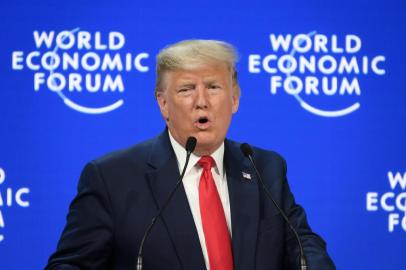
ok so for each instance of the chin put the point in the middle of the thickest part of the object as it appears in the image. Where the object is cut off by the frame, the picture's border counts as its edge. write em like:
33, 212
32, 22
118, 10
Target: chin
206, 145
204, 140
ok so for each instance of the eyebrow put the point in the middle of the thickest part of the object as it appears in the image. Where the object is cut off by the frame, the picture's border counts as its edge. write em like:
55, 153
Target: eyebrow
206, 81
187, 84
211, 81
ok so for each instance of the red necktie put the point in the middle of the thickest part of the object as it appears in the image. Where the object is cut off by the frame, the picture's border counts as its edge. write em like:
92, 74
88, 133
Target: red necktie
218, 242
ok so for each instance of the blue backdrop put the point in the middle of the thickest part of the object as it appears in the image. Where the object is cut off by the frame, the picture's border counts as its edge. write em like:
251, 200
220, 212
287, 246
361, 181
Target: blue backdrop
322, 84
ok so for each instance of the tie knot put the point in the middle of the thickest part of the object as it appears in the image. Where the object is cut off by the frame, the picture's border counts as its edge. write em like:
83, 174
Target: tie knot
206, 162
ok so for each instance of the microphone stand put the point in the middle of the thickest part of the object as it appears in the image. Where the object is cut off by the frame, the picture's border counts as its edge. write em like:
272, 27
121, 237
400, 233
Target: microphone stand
190, 146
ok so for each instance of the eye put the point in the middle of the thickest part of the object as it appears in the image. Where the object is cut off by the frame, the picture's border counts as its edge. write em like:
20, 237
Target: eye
185, 90
214, 86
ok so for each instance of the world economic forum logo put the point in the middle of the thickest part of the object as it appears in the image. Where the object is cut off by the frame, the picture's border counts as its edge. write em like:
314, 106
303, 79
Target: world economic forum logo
10, 197
393, 202
85, 69
321, 72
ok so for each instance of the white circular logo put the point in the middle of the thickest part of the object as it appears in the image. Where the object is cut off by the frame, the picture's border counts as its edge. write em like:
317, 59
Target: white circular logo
81, 65
319, 71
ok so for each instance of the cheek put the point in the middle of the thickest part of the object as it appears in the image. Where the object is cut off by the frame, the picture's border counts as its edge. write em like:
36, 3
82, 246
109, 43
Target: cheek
223, 117
180, 112
226, 109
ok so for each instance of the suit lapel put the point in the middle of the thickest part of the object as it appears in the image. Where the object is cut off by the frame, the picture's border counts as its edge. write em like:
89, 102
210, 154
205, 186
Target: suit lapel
244, 206
177, 216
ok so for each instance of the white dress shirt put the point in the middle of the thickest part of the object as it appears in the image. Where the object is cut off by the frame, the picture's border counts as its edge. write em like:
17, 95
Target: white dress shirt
191, 184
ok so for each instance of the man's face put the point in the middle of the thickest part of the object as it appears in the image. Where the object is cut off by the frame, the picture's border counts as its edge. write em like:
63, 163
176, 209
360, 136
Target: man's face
199, 102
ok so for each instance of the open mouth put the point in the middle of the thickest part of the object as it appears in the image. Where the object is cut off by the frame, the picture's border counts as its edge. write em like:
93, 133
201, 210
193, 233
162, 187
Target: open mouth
203, 123
203, 120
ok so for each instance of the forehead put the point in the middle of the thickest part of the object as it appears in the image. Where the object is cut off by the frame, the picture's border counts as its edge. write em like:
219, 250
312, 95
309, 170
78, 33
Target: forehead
207, 72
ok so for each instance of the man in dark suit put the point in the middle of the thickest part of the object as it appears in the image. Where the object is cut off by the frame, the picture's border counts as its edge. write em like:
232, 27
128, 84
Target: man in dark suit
219, 218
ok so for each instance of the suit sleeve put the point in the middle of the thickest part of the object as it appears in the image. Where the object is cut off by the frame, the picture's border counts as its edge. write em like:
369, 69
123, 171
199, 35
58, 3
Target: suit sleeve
314, 246
86, 241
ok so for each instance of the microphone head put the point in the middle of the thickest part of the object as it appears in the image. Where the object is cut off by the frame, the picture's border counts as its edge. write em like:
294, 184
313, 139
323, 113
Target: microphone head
191, 144
246, 149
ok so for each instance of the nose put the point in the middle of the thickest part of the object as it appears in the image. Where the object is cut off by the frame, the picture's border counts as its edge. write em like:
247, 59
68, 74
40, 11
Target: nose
202, 97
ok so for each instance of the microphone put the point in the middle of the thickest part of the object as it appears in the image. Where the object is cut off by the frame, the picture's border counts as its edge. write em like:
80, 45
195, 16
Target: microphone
190, 147
248, 152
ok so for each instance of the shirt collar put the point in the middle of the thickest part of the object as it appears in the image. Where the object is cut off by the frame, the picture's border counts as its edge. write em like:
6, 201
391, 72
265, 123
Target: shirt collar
180, 153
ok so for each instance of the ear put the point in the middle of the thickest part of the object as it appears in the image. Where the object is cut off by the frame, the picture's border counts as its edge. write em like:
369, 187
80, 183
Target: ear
235, 98
163, 105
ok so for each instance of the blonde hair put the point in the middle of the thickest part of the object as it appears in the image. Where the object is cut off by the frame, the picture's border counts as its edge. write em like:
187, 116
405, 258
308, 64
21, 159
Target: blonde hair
189, 54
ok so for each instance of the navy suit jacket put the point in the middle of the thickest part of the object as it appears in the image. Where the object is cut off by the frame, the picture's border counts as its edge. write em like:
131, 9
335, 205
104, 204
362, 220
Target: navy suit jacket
120, 193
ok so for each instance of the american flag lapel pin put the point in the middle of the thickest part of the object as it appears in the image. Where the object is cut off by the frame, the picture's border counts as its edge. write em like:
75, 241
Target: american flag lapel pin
246, 176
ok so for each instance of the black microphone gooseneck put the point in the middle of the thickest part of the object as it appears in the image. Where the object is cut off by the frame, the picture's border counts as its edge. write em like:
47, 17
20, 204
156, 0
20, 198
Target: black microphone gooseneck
190, 147
247, 151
